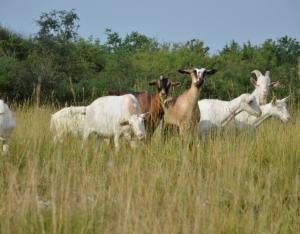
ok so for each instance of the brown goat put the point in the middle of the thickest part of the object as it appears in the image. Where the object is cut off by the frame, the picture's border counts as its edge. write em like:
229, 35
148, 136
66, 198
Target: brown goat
183, 111
152, 103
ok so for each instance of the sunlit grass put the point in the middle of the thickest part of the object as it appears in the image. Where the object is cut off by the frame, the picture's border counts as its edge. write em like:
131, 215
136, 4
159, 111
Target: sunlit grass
234, 183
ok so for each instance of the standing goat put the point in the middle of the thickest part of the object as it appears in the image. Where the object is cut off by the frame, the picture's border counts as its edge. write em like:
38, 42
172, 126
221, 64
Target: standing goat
7, 125
276, 108
152, 103
183, 110
262, 85
114, 116
218, 113
154, 107
67, 120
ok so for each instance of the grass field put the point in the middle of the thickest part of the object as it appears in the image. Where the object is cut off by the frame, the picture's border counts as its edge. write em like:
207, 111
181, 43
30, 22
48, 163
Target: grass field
237, 183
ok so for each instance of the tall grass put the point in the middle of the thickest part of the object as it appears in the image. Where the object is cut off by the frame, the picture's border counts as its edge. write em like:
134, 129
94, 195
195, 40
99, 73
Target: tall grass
235, 183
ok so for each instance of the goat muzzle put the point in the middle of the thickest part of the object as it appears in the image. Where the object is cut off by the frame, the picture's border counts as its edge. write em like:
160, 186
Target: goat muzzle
141, 136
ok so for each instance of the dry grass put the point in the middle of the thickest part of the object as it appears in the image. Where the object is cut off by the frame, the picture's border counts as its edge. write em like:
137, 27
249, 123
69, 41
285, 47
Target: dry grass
237, 183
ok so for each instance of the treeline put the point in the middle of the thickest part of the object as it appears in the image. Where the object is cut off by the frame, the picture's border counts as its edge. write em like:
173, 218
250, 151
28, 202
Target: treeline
57, 65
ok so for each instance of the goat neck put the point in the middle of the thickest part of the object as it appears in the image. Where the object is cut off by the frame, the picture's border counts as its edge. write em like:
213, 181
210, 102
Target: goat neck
256, 94
156, 109
265, 113
192, 94
233, 109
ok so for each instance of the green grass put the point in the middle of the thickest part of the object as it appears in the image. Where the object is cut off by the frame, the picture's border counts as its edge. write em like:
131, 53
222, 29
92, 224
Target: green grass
235, 183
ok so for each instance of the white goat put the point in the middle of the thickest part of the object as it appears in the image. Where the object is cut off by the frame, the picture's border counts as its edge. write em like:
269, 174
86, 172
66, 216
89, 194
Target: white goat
218, 113
276, 108
114, 116
7, 125
262, 85
68, 120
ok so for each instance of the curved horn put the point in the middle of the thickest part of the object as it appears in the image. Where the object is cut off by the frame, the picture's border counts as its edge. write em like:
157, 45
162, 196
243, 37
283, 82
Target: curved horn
257, 73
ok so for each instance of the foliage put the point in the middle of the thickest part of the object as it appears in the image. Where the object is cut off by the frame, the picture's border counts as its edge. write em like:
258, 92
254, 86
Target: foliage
71, 69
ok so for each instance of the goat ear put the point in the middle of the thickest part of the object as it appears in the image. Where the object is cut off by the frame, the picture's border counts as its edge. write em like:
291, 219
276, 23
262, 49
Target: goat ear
124, 123
267, 73
175, 84
186, 71
274, 99
253, 81
276, 84
153, 82
211, 71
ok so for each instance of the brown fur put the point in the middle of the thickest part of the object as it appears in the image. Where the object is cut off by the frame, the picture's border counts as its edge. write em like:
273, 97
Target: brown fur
133, 109
183, 110
151, 103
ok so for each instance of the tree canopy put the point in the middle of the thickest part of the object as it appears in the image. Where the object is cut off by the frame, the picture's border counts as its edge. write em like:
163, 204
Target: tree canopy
57, 65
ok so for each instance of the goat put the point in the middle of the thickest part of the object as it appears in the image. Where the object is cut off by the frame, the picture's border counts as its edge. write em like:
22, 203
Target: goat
183, 110
152, 103
277, 108
218, 113
262, 85
67, 120
7, 125
114, 116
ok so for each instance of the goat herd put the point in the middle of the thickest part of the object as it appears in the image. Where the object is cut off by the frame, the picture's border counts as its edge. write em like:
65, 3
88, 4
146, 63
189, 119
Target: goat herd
125, 114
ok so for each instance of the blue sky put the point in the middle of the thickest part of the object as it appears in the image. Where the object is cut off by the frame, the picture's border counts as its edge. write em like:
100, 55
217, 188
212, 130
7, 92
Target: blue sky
216, 22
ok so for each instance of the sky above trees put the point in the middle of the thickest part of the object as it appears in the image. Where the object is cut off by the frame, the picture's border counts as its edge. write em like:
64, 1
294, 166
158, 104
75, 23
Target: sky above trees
214, 22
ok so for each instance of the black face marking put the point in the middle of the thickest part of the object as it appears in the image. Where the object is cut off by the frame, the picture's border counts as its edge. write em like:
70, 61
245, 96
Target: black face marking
195, 73
164, 86
199, 83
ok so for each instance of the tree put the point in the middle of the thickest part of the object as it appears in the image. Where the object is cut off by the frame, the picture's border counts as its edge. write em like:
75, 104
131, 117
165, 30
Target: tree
287, 50
53, 43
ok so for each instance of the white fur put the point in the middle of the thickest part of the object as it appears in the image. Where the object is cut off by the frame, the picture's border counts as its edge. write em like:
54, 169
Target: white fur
218, 113
7, 125
68, 120
262, 85
105, 115
276, 108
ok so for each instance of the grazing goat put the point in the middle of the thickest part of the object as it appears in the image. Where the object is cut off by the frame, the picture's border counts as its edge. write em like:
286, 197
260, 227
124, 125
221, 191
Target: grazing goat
114, 116
262, 85
7, 125
67, 120
218, 113
276, 108
183, 110
152, 103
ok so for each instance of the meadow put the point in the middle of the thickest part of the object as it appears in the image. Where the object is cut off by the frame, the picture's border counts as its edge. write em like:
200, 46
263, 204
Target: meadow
234, 183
